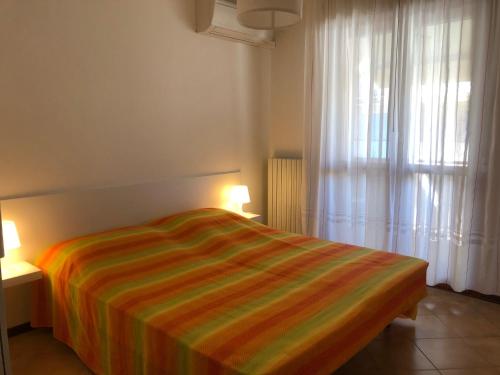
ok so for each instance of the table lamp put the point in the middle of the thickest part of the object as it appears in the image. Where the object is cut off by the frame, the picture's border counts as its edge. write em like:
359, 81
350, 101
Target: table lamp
11, 240
238, 196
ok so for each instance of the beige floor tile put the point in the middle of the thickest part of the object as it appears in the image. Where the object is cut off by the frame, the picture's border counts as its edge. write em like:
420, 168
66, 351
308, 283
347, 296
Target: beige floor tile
50, 365
398, 355
446, 305
470, 325
361, 363
490, 311
449, 296
477, 371
390, 372
414, 372
489, 348
424, 309
451, 354
425, 326
35, 341
37, 352
410, 372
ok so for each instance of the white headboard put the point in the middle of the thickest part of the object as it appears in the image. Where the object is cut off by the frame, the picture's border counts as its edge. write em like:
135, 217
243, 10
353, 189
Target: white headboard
48, 219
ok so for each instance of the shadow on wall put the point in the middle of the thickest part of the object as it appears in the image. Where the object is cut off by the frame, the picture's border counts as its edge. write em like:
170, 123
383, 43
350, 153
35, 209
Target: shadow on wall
287, 154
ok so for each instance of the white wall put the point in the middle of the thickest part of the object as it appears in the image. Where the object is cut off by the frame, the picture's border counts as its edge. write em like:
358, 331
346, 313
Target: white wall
102, 92
287, 93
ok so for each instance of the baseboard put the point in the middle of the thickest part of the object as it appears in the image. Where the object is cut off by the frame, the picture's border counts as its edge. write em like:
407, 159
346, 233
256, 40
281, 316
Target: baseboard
470, 293
17, 330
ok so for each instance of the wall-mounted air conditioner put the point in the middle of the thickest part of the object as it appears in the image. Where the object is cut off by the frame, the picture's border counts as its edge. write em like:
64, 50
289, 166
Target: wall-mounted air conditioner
218, 18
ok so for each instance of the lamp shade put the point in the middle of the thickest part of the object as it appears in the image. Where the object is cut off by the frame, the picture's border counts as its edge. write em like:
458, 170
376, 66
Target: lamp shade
10, 235
239, 194
269, 14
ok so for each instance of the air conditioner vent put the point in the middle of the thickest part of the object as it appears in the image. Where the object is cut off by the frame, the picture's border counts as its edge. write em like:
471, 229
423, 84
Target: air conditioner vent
218, 18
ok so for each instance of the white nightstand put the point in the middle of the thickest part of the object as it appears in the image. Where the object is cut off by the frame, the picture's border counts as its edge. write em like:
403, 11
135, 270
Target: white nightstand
252, 216
17, 273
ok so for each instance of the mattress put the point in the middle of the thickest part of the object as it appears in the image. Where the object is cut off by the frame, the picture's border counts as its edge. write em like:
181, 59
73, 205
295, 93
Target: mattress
210, 292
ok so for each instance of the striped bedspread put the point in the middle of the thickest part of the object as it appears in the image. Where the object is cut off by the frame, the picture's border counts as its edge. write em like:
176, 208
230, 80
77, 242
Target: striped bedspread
209, 292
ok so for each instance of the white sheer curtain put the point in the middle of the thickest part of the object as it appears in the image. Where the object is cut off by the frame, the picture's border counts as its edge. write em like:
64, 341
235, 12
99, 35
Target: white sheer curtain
402, 138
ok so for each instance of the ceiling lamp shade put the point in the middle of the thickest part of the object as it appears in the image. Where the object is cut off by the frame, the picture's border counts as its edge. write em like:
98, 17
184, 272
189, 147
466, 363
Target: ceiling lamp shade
269, 14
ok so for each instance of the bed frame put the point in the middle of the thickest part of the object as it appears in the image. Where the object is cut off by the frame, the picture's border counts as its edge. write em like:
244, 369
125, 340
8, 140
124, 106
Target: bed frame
47, 219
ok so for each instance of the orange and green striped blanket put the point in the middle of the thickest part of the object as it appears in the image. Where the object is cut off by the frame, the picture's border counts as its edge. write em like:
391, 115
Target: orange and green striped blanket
210, 292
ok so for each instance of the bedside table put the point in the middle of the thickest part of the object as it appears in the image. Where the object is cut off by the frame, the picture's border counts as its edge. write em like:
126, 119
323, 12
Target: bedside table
17, 273
252, 216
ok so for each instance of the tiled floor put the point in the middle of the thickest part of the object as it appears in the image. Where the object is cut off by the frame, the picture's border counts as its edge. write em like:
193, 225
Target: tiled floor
453, 335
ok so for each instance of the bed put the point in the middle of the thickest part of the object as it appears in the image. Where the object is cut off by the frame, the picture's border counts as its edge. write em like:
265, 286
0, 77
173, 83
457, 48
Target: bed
209, 292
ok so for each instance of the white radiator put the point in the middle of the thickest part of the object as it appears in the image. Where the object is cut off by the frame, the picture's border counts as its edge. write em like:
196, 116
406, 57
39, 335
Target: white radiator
284, 194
